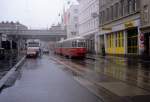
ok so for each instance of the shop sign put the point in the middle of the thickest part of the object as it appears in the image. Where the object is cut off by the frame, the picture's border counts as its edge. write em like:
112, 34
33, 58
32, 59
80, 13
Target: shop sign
109, 29
129, 24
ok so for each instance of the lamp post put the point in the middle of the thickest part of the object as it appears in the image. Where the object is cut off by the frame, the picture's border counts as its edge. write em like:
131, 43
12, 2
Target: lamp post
17, 38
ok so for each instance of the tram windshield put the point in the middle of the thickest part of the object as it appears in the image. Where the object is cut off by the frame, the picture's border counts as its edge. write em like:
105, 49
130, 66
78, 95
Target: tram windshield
33, 44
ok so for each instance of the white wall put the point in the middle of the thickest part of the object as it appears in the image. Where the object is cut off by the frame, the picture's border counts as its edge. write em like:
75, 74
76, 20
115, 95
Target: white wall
72, 24
88, 24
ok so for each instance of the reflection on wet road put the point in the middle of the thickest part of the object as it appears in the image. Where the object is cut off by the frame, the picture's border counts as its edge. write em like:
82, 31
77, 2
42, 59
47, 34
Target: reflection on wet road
8, 63
122, 77
129, 71
43, 80
137, 73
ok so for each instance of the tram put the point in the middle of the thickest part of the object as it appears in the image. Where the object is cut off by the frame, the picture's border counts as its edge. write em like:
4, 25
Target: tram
74, 47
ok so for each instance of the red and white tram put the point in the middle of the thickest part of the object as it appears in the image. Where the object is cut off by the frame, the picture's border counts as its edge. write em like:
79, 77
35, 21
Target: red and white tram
74, 47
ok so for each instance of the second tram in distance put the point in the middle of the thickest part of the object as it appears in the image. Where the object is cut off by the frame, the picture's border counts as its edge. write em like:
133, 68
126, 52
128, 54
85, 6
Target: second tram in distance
74, 47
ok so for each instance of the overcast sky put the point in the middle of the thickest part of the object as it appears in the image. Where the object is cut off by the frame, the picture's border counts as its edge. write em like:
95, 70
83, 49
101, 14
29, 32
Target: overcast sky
33, 13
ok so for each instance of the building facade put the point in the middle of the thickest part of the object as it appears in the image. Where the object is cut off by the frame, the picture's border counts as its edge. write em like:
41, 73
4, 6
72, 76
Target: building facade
120, 26
72, 23
89, 25
145, 27
12, 26
9, 38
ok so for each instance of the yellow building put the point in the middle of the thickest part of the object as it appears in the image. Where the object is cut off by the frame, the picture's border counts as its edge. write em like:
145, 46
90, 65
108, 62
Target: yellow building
120, 26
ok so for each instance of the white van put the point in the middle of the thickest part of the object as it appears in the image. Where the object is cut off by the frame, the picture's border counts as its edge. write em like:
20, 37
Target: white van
33, 47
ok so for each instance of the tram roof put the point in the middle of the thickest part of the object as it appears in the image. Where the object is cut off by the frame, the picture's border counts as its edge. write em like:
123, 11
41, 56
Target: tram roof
75, 38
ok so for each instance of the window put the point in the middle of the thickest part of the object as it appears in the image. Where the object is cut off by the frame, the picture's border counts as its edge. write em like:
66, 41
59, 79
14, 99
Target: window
119, 39
135, 4
107, 17
130, 6
121, 8
74, 44
110, 40
75, 10
111, 12
102, 16
114, 13
75, 18
117, 9
81, 44
76, 26
145, 14
126, 7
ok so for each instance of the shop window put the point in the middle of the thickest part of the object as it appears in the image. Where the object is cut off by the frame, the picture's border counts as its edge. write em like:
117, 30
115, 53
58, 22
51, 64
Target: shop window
119, 42
110, 39
116, 42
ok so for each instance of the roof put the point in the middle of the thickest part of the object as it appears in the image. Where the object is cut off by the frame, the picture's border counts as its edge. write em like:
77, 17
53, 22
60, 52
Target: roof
75, 38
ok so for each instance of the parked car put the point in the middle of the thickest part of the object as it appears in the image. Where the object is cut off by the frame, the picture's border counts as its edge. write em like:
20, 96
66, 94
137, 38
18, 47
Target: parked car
45, 50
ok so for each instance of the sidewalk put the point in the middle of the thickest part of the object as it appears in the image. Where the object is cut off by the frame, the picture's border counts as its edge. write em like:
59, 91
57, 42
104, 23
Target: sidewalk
113, 57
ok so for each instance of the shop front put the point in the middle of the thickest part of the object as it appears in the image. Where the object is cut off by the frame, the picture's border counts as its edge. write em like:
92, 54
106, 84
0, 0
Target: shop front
147, 44
115, 43
145, 39
123, 38
132, 40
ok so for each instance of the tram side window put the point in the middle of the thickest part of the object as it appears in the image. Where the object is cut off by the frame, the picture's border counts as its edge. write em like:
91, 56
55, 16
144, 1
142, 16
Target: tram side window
74, 44
81, 44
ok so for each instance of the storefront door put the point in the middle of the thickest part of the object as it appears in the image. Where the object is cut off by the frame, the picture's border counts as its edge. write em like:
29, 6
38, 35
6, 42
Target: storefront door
132, 40
147, 44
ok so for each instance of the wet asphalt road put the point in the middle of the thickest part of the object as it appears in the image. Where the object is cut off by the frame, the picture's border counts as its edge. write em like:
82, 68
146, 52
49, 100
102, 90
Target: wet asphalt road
43, 80
113, 78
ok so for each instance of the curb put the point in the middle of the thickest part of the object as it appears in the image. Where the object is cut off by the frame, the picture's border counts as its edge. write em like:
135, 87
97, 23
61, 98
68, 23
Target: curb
11, 72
